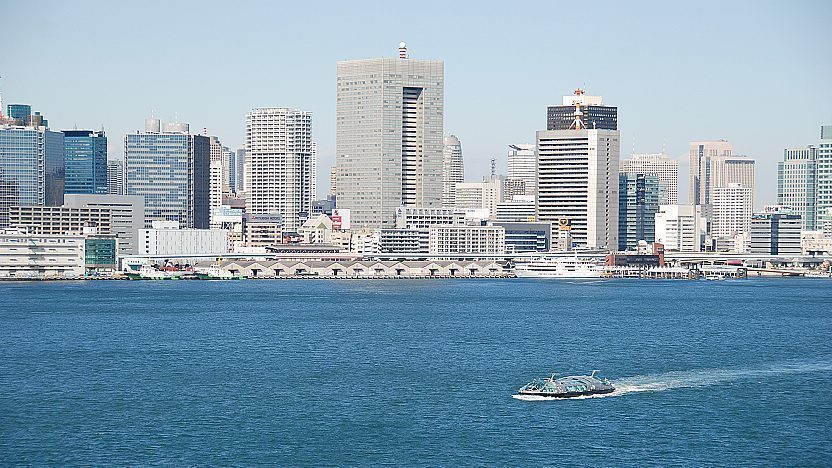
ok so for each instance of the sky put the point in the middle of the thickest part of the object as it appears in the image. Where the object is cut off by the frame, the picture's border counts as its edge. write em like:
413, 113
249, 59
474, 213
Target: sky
755, 73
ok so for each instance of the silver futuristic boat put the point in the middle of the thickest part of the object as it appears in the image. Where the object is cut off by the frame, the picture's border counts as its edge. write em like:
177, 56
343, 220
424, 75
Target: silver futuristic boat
567, 387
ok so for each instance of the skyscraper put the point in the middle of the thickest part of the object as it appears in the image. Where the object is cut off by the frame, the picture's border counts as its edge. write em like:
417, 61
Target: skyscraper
593, 113
734, 169
171, 170
797, 178
115, 177
701, 153
279, 163
389, 138
522, 164
824, 187
85, 162
732, 208
239, 170
659, 165
638, 202
31, 168
453, 170
577, 177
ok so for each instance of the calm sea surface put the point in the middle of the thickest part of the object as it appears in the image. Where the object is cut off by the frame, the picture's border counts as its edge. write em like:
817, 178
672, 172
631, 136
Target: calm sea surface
313, 372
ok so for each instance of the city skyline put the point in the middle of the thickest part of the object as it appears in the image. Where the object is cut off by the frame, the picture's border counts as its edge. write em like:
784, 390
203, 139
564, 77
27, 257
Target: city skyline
708, 95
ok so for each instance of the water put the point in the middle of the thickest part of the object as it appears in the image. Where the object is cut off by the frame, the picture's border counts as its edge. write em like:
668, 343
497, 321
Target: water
414, 372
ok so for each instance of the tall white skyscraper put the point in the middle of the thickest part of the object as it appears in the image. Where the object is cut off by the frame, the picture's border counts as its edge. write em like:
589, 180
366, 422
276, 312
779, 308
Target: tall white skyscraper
115, 177
522, 164
681, 228
389, 140
659, 165
732, 209
577, 177
824, 187
734, 169
797, 178
453, 171
701, 153
279, 163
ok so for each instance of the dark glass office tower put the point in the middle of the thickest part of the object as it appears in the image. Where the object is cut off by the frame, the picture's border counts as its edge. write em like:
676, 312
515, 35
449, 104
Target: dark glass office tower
85, 162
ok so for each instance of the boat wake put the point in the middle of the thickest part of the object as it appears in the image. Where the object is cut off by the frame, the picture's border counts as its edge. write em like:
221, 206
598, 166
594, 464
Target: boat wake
696, 379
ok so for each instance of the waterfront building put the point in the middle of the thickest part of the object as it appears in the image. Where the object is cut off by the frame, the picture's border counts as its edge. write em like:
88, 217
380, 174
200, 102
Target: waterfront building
593, 113
486, 240
824, 185
389, 137
701, 153
638, 202
31, 168
279, 162
776, 231
171, 170
731, 225
262, 230
126, 216
480, 195
577, 172
115, 177
526, 236
519, 208
100, 253
423, 218
522, 165
797, 178
56, 220
659, 165
166, 238
24, 254
403, 240
85, 161
453, 170
681, 228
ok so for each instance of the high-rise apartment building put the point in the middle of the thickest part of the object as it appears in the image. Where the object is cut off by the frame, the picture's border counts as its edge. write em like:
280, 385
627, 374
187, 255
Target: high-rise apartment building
453, 171
279, 164
115, 177
701, 153
389, 137
638, 202
31, 168
797, 178
659, 165
681, 228
239, 170
171, 170
483, 195
824, 187
577, 177
732, 208
522, 164
333, 180
85, 161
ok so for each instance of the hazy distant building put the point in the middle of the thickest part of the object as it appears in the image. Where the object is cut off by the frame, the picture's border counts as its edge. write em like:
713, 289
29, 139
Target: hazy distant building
453, 170
389, 137
522, 165
480, 195
797, 179
85, 161
824, 187
701, 153
31, 168
115, 177
279, 163
638, 202
239, 170
577, 177
659, 165
171, 171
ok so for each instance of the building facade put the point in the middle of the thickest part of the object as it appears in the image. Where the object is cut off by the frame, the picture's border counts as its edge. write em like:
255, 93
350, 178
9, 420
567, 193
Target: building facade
681, 228
23, 254
483, 195
164, 238
487, 240
522, 165
659, 165
279, 162
527, 236
776, 231
701, 153
115, 177
824, 185
593, 113
453, 170
638, 202
732, 208
797, 179
389, 137
85, 161
126, 216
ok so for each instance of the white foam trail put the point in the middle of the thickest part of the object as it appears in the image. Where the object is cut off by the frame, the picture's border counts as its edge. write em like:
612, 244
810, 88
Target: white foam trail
695, 379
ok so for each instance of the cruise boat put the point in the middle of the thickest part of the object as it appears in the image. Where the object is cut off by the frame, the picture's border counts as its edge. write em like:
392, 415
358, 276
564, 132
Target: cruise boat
149, 273
566, 387
215, 272
565, 268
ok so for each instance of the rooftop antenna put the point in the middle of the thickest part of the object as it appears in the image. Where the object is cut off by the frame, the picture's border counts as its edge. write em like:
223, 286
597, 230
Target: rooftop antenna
402, 50
578, 123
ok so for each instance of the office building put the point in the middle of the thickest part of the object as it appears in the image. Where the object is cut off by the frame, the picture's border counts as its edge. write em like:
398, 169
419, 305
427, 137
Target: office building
165, 238
701, 153
734, 169
31, 168
453, 171
55, 220
638, 202
423, 218
797, 179
526, 236
519, 208
514, 188
85, 161
262, 230
659, 165
486, 240
21, 112
279, 164
593, 113
25, 255
239, 170
389, 137
824, 187
732, 208
410, 241
333, 180
115, 177
126, 216
681, 228
577, 179
776, 231
171, 170
522, 165
483, 195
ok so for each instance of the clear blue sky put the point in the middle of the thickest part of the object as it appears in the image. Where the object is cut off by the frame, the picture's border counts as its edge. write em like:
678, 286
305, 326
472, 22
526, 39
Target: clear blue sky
756, 73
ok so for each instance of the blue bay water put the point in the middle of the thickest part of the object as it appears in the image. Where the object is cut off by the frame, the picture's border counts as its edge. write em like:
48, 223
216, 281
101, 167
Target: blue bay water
314, 372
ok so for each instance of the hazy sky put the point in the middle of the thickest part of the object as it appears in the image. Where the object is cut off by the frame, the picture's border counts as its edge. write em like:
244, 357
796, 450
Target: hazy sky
756, 73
